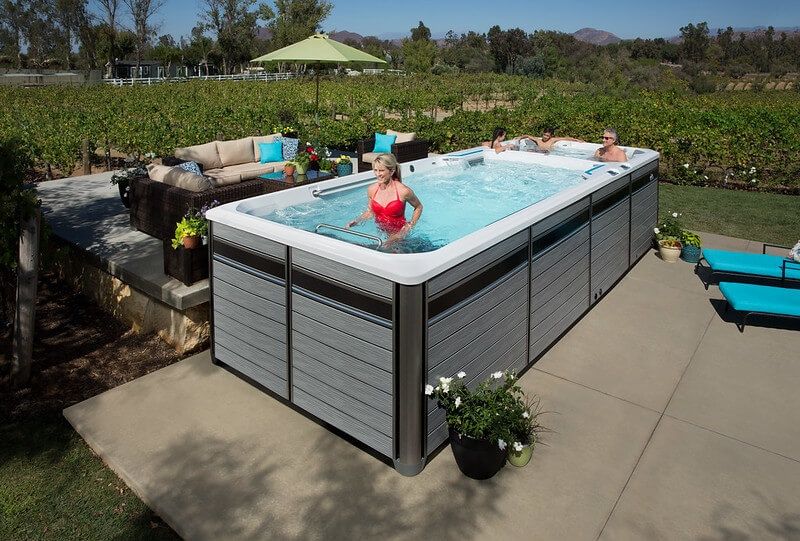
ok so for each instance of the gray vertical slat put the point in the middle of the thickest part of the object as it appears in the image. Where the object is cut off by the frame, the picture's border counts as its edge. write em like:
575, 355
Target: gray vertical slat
476, 263
249, 240
342, 273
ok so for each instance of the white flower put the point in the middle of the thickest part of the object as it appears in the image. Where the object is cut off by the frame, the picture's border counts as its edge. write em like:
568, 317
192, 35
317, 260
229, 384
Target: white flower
429, 390
497, 375
445, 380
752, 170
753, 180
525, 414
517, 446
501, 444
705, 177
458, 401
461, 375
686, 165
656, 230
674, 214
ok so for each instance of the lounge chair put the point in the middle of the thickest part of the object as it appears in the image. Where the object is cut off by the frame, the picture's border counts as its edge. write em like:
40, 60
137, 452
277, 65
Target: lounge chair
762, 300
761, 265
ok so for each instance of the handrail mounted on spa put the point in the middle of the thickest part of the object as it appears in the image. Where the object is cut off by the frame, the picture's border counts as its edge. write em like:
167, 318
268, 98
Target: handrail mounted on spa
345, 230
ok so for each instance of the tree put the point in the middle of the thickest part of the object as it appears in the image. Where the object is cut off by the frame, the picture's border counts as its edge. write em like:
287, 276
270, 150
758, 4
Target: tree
695, 41
419, 52
14, 16
142, 12
167, 52
108, 25
233, 23
295, 20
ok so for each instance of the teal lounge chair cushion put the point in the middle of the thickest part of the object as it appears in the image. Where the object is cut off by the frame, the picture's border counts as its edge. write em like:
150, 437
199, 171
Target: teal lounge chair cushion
746, 263
765, 299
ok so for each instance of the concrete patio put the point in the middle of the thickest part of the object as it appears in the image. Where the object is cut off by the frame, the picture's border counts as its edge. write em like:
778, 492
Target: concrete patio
667, 423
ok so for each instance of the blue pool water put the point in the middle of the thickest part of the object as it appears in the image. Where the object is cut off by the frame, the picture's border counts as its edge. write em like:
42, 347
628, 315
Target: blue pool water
456, 201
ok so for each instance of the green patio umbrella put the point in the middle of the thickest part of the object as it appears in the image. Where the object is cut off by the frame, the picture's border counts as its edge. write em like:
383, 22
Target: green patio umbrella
319, 49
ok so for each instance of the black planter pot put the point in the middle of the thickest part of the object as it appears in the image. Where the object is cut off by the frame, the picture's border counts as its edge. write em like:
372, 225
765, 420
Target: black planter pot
124, 193
478, 459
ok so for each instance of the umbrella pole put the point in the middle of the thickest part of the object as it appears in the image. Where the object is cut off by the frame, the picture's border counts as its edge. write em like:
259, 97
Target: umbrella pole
317, 110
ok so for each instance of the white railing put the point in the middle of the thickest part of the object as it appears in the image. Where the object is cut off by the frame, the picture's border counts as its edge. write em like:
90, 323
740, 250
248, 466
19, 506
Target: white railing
372, 71
235, 77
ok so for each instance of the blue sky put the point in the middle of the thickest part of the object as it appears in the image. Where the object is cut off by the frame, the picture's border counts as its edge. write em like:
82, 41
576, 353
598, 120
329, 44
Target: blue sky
625, 18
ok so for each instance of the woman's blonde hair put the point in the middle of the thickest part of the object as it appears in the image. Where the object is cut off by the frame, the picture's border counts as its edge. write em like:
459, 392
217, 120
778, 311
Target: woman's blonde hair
389, 162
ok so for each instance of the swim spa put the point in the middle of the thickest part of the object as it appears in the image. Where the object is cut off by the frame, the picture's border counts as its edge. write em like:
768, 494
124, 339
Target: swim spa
351, 334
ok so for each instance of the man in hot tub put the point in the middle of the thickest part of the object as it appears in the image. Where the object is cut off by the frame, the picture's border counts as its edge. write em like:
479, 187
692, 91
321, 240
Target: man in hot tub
545, 142
610, 151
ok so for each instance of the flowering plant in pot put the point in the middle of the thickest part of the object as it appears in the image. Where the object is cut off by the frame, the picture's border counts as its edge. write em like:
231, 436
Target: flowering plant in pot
344, 165
690, 251
134, 167
668, 234
192, 228
483, 421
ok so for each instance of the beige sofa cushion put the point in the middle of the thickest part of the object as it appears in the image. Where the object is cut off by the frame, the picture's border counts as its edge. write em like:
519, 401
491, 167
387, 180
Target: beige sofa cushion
369, 157
402, 137
262, 139
236, 151
223, 177
250, 171
206, 154
175, 176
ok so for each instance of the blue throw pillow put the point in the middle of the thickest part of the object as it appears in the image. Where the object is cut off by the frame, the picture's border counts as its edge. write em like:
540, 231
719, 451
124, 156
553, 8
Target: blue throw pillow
192, 167
289, 147
383, 142
271, 152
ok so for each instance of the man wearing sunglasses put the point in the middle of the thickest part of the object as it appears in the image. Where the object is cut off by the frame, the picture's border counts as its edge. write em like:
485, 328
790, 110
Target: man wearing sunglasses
610, 151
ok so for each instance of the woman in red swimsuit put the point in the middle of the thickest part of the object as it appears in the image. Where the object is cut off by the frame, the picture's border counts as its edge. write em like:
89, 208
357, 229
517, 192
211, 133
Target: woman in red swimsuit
387, 200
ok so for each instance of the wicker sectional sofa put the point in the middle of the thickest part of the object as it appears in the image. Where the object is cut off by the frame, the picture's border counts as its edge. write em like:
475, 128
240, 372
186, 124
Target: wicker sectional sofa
406, 148
232, 167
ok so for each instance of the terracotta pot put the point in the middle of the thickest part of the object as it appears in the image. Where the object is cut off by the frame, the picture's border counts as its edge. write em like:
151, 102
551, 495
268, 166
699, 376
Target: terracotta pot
670, 254
190, 243
288, 170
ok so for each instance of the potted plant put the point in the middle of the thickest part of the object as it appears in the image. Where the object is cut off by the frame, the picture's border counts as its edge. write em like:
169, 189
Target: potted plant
691, 250
289, 169
483, 422
302, 162
668, 235
344, 165
122, 180
193, 228
526, 430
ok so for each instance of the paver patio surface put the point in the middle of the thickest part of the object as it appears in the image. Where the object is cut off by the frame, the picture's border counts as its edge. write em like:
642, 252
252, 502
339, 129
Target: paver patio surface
668, 424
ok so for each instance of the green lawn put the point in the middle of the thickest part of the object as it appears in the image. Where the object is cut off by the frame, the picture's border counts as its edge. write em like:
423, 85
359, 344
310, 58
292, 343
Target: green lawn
764, 217
53, 487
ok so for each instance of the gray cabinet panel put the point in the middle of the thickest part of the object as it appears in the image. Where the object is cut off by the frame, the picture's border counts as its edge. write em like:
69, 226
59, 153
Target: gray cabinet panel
270, 327
543, 342
263, 359
258, 374
329, 316
354, 388
265, 342
349, 345
580, 298
248, 282
555, 219
559, 251
268, 309
609, 250
365, 371
249, 240
342, 273
479, 304
436, 437
566, 269
465, 335
609, 220
648, 192
611, 187
476, 263
510, 356
545, 304
474, 358
371, 437
357, 410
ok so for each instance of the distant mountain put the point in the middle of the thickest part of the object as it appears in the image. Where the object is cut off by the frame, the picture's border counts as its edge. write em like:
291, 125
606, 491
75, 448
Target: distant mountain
595, 37
344, 35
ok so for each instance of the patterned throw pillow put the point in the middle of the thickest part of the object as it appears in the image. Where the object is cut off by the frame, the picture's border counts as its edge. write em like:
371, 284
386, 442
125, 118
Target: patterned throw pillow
794, 253
192, 167
289, 148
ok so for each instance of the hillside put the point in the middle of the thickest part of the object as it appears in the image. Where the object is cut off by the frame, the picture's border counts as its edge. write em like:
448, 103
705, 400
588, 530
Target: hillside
595, 37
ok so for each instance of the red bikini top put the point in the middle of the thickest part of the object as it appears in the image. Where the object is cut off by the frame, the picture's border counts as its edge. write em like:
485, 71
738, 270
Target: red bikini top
391, 215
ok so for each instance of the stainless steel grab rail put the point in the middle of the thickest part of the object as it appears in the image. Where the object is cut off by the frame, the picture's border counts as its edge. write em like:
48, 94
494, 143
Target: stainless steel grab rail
350, 231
